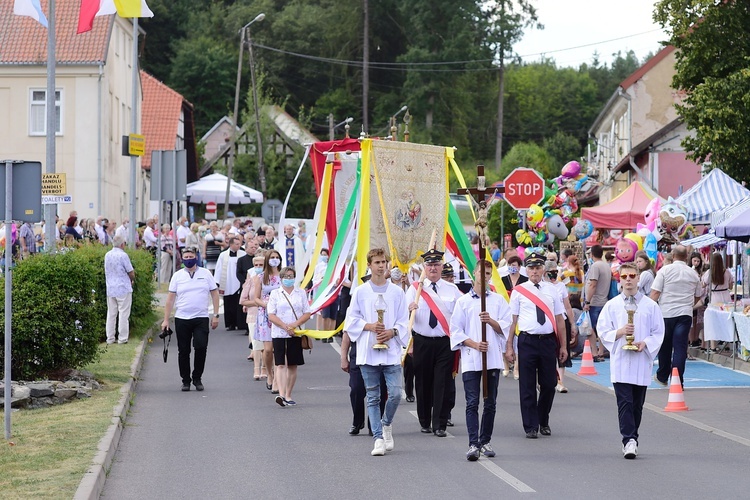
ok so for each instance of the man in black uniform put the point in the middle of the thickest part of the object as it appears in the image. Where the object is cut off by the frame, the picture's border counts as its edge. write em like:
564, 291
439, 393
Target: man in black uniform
432, 354
244, 264
537, 309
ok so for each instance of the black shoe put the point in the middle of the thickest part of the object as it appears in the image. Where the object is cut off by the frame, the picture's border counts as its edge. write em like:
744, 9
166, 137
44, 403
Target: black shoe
449, 423
198, 385
354, 430
425, 430
185, 387
441, 433
231, 328
531, 434
545, 430
268, 386
409, 399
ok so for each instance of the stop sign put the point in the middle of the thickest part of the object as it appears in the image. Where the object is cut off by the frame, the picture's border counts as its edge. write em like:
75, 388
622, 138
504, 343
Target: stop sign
210, 207
523, 188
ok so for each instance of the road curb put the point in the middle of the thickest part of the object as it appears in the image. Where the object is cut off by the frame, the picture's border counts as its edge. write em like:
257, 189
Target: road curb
92, 483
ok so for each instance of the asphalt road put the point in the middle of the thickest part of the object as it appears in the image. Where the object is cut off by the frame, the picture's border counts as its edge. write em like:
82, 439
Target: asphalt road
233, 441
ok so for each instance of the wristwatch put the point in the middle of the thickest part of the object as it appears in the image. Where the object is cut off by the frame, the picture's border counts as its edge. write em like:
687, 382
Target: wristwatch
216, 316
587, 303
395, 332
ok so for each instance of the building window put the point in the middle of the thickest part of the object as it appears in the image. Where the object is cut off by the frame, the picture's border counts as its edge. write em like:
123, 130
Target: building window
38, 112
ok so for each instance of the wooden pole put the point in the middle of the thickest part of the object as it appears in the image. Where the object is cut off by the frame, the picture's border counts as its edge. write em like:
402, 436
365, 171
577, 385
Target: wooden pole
483, 305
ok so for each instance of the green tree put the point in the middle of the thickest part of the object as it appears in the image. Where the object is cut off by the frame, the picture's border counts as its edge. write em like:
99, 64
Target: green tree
713, 69
529, 155
507, 20
562, 147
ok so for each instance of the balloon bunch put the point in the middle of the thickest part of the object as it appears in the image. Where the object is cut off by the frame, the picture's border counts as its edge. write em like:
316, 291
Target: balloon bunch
554, 218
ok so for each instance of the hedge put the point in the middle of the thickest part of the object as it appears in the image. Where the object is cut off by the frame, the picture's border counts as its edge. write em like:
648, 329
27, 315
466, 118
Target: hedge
60, 309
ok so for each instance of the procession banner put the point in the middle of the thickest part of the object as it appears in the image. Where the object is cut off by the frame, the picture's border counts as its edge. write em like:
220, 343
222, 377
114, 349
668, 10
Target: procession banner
412, 186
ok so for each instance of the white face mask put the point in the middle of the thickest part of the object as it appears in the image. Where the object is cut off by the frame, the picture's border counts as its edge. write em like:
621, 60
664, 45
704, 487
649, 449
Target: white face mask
274, 262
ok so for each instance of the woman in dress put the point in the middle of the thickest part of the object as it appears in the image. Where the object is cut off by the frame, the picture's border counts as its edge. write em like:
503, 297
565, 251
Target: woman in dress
264, 284
247, 301
574, 275
513, 278
213, 247
288, 309
720, 283
167, 252
571, 330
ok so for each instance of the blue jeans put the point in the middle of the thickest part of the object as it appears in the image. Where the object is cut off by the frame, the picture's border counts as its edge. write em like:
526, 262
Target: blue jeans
371, 376
594, 312
473, 389
673, 351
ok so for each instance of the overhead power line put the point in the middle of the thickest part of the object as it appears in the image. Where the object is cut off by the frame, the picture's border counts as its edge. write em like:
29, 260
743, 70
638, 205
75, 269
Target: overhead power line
435, 66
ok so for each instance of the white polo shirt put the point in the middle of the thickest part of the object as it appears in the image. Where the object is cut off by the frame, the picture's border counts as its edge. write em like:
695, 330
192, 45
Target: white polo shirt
193, 293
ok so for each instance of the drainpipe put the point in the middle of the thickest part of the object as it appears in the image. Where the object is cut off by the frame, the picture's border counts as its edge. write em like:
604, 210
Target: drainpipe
99, 210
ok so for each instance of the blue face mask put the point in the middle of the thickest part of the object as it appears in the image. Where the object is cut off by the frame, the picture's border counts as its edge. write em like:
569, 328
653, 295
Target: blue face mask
186, 224
287, 282
512, 269
190, 262
258, 270
324, 258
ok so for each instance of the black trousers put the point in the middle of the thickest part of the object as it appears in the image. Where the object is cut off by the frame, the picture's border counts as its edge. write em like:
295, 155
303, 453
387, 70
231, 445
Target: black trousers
231, 305
433, 366
537, 364
409, 375
630, 400
357, 391
195, 330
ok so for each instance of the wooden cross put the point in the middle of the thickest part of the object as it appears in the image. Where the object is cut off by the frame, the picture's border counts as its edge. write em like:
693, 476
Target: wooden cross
480, 194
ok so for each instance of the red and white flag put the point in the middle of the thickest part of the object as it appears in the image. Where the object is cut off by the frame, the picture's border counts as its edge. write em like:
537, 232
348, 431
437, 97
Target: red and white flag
125, 8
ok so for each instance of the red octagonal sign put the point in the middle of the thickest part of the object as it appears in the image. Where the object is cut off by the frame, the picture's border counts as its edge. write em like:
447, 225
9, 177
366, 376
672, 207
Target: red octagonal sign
523, 188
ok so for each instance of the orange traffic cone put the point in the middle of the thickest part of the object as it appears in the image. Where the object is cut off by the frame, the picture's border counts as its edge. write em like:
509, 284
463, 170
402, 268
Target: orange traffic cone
587, 361
676, 396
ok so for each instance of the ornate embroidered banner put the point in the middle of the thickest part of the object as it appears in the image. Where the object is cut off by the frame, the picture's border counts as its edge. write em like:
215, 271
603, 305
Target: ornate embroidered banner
412, 185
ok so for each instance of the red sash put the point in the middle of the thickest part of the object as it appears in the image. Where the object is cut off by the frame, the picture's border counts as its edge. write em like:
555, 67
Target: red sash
435, 309
538, 302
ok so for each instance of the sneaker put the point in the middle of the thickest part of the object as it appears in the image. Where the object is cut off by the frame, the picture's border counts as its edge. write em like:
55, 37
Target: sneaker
198, 385
289, 402
473, 454
280, 401
388, 437
379, 449
630, 449
487, 450
663, 384
561, 389
185, 387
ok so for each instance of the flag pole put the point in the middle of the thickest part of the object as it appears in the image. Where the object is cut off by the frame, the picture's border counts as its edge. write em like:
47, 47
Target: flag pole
134, 128
51, 130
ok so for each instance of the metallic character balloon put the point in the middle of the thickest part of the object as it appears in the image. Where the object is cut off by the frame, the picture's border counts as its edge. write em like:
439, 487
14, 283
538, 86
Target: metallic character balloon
534, 215
673, 218
583, 229
522, 237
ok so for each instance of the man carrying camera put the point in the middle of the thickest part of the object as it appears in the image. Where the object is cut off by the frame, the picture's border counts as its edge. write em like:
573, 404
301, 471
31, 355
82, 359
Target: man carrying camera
189, 290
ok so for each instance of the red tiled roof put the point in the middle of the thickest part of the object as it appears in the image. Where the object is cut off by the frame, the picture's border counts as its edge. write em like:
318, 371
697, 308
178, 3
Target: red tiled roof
640, 72
24, 41
161, 115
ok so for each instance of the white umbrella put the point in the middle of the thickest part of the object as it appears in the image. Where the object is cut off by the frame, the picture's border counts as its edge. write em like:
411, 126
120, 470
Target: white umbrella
214, 188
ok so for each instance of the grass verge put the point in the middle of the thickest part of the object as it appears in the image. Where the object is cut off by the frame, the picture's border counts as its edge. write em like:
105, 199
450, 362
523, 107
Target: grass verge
51, 448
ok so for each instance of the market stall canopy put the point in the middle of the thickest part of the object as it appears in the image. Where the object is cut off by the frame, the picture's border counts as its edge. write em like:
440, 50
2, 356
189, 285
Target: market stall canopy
214, 188
704, 240
624, 211
713, 192
736, 227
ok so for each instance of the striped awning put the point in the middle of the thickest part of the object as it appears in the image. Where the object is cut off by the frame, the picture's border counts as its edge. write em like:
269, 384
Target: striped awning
703, 240
711, 194
727, 213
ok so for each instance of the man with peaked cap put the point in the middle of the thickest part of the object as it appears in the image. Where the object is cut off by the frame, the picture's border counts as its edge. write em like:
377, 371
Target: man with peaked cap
447, 274
537, 310
432, 354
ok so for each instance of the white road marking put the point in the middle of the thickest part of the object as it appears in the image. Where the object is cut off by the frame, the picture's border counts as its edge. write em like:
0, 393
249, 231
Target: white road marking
507, 477
673, 416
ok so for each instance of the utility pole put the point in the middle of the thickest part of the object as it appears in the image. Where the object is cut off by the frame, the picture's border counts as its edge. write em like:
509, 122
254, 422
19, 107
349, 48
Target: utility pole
366, 68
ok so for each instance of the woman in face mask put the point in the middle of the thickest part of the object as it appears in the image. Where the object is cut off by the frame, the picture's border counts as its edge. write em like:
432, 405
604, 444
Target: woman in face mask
513, 278
247, 301
264, 284
288, 310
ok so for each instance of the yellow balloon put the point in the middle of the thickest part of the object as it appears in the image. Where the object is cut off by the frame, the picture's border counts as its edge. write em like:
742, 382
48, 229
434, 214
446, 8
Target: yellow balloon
635, 238
534, 214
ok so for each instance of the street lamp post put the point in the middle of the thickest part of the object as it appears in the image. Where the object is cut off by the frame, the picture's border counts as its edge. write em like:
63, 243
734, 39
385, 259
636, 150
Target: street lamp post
332, 127
261, 165
233, 141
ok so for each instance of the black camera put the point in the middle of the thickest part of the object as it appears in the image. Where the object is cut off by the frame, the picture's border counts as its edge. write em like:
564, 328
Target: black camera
165, 333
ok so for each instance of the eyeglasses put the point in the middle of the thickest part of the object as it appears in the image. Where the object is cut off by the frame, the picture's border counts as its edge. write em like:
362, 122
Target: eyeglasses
631, 276
288, 276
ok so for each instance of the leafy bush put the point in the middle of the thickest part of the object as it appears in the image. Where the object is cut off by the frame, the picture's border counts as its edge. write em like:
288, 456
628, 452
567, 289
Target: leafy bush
60, 309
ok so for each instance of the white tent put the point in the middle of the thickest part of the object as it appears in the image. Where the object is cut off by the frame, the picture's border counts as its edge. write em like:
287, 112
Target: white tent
214, 188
